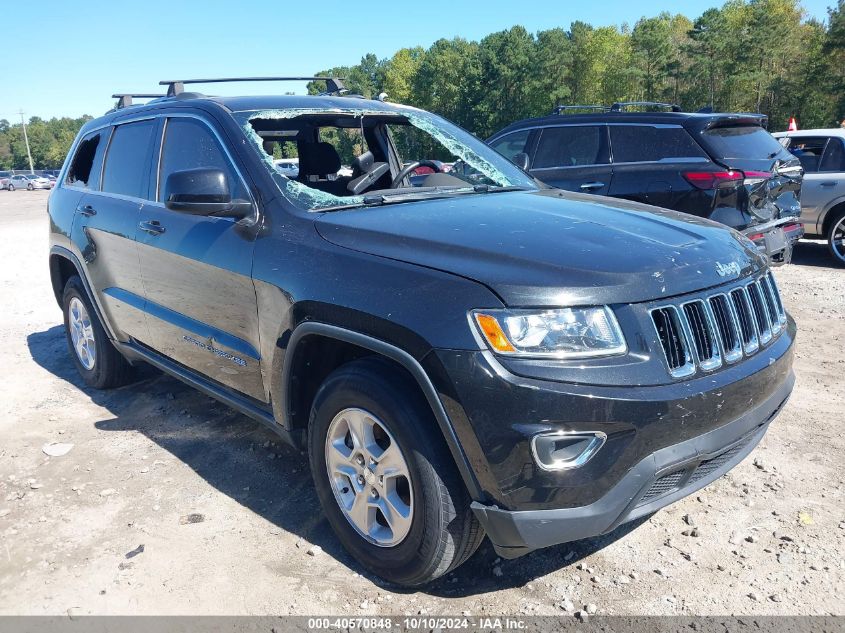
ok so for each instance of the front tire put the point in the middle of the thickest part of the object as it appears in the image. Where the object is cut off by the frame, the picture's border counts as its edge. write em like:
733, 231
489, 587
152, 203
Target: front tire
385, 477
836, 238
97, 360
11, 187
30, 188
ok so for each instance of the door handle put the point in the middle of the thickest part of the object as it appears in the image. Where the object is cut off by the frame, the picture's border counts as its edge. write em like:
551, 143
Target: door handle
589, 186
86, 210
152, 227
828, 183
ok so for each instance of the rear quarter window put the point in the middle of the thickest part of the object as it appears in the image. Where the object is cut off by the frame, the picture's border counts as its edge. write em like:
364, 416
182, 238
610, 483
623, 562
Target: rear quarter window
648, 143
742, 141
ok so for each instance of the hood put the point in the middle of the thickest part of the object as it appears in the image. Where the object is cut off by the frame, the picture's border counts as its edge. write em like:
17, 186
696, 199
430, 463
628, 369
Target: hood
551, 248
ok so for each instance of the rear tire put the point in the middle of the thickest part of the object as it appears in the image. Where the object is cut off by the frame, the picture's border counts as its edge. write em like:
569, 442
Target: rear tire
11, 187
836, 237
436, 530
97, 360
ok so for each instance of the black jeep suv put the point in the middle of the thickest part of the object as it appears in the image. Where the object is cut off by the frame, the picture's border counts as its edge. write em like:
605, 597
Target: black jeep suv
725, 167
475, 355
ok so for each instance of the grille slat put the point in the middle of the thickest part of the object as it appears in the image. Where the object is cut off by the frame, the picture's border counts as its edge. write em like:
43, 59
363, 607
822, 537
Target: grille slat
761, 315
704, 333
673, 340
727, 326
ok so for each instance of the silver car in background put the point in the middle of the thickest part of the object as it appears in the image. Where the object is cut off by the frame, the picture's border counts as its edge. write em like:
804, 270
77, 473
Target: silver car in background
29, 181
822, 155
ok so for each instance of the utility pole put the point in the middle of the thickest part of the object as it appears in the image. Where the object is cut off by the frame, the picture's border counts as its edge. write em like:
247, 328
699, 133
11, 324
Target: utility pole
26, 141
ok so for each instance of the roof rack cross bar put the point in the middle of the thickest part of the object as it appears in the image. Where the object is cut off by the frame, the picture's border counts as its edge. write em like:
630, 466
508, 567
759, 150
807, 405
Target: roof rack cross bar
620, 105
334, 85
566, 108
125, 98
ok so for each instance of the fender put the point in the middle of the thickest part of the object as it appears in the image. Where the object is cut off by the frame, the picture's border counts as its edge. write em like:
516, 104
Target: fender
73, 259
399, 356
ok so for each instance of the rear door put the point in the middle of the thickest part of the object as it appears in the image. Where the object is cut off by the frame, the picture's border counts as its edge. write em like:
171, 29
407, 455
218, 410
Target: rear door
573, 157
197, 270
649, 163
107, 217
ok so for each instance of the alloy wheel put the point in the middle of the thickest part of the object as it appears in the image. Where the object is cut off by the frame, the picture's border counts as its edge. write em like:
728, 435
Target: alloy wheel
82, 333
837, 239
369, 477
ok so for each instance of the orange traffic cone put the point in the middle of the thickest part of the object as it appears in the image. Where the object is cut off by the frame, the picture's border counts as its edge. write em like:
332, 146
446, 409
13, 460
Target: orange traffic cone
793, 125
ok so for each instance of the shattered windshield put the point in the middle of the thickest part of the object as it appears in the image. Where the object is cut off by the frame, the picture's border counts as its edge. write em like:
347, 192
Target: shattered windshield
349, 157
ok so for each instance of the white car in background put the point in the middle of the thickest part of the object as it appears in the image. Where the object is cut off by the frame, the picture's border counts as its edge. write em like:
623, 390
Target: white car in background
288, 167
822, 155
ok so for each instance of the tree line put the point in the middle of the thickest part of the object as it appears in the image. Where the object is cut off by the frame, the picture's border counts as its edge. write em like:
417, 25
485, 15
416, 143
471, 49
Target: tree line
747, 56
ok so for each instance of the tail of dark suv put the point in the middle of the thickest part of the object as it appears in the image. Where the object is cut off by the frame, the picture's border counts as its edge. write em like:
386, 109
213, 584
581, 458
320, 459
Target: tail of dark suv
724, 167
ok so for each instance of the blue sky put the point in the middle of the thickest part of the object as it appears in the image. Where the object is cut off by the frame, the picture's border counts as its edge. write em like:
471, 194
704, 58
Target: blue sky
72, 56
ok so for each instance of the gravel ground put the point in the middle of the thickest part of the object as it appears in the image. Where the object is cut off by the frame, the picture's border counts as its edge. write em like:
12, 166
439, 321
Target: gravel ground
170, 503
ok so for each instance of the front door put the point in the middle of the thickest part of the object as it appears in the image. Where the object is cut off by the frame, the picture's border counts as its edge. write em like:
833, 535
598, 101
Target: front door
201, 305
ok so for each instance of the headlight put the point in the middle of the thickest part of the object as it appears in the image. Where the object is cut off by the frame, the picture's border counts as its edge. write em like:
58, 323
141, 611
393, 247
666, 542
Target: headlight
556, 333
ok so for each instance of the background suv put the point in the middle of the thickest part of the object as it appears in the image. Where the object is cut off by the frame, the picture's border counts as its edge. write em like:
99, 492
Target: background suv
475, 355
822, 155
725, 167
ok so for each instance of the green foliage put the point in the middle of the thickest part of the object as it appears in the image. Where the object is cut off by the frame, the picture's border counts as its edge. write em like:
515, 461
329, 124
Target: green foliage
49, 142
748, 55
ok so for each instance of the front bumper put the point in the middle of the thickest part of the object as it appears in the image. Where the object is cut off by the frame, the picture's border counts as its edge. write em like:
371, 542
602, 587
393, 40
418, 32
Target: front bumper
660, 479
664, 441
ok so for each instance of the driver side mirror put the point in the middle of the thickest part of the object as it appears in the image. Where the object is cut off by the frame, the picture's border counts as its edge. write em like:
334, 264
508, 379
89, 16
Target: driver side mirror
521, 161
203, 191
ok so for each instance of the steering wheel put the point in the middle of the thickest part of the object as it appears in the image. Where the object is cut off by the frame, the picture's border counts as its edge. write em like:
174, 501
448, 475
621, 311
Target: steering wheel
411, 167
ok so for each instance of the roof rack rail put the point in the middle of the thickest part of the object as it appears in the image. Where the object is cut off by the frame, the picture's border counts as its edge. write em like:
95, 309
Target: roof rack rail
621, 105
125, 98
334, 85
566, 108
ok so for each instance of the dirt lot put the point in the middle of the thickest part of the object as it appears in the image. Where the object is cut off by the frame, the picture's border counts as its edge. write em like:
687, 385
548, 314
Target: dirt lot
104, 529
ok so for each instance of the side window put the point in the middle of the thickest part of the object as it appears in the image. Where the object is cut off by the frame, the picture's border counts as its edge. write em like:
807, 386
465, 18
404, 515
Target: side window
809, 151
638, 143
87, 162
834, 156
190, 144
128, 159
570, 146
511, 144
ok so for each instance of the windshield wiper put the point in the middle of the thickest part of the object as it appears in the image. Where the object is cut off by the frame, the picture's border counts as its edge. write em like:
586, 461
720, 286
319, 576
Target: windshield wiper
377, 200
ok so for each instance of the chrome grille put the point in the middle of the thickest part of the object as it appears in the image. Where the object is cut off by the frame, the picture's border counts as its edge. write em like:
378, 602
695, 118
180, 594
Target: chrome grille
707, 332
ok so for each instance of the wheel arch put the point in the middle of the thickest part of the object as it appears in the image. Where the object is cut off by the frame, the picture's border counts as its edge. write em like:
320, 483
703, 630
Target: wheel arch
63, 265
833, 210
297, 387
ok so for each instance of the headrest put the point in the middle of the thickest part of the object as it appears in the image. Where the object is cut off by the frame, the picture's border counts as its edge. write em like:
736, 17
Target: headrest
363, 162
268, 146
318, 159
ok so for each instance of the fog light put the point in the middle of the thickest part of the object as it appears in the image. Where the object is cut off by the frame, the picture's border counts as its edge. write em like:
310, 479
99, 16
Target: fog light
562, 450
